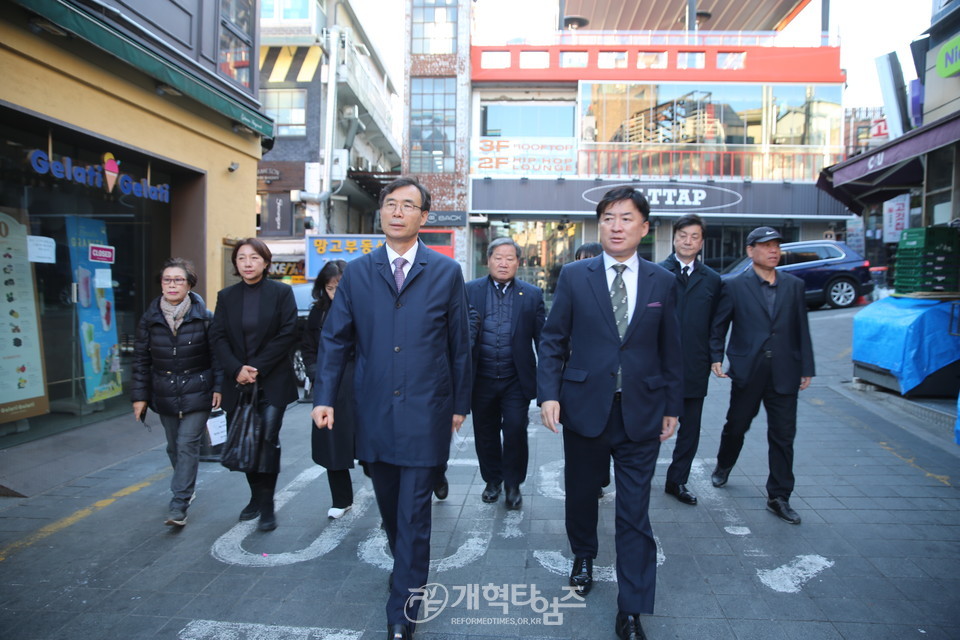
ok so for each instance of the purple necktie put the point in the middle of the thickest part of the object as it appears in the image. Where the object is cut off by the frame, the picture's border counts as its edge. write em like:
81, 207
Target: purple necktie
398, 264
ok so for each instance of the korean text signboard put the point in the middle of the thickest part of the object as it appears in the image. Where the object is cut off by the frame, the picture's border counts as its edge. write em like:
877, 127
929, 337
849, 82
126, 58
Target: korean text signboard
896, 217
322, 249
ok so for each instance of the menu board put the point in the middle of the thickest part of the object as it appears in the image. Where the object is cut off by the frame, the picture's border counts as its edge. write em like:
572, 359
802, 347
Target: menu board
23, 390
99, 347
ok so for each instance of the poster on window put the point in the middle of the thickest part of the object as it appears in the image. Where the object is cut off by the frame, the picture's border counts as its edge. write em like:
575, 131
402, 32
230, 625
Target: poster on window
23, 390
896, 217
99, 347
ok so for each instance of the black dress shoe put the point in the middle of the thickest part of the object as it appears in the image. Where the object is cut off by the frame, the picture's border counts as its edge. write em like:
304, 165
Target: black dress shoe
720, 475
628, 627
399, 632
441, 488
512, 498
491, 493
268, 522
582, 575
781, 508
680, 492
250, 512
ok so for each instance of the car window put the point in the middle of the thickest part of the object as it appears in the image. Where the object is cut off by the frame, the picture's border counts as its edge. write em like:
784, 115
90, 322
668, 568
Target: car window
737, 266
797, 256
827, 251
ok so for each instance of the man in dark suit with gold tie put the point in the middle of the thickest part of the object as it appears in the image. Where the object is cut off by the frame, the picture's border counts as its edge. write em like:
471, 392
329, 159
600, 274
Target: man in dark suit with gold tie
611, 370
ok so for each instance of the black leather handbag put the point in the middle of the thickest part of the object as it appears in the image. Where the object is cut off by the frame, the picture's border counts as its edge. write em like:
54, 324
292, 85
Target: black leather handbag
241, 451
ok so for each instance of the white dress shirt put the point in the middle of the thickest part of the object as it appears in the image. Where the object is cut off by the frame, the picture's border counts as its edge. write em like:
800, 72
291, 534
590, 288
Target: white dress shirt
409, 256
630, 275
686, 264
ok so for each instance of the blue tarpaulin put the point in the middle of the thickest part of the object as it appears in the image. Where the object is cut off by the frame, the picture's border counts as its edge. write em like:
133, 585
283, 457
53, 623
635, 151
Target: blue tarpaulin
910, 338
956, 427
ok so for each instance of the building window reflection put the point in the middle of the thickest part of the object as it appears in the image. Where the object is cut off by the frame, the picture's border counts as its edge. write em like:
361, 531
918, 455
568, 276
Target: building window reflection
434, 27
433, 120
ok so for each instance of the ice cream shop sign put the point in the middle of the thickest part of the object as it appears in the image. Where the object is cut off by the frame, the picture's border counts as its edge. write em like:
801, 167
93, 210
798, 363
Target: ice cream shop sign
106, 176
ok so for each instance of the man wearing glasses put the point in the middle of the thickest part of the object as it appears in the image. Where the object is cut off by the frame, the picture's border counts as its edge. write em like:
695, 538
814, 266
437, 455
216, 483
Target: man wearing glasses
403, 309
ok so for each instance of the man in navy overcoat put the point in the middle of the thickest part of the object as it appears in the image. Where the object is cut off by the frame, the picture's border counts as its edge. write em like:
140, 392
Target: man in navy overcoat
611, 370
698, 292
403, 308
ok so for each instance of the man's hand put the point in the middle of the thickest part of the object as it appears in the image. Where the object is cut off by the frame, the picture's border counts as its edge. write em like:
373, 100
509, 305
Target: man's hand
247, 375
458, 422
717, 368
322, 417
216, 400
669, 426
805, 382
139, 408
550, 414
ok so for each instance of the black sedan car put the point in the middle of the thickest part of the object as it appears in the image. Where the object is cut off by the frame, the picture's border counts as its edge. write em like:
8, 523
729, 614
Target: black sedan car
834, 273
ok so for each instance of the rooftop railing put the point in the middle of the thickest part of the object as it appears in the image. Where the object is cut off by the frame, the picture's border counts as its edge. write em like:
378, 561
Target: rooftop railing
668, 38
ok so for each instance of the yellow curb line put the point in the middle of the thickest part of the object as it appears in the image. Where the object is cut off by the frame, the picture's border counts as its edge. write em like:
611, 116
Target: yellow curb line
73, 518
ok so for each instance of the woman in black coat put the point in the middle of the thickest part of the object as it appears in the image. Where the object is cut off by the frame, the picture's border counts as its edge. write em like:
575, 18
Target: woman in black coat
253, 330
331, 448
175, 374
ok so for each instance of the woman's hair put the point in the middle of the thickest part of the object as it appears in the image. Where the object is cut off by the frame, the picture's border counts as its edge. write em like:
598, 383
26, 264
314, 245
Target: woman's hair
179, 263
259, 246
331, 270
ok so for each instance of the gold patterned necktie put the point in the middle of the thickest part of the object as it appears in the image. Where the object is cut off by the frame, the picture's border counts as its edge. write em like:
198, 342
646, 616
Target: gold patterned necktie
618, 298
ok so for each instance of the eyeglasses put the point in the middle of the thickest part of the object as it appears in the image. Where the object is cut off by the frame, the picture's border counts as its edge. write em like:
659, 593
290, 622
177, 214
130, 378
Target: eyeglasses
390, 206
176, 281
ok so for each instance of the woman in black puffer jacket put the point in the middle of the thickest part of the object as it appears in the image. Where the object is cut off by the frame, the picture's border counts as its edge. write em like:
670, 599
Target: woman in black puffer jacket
175, 374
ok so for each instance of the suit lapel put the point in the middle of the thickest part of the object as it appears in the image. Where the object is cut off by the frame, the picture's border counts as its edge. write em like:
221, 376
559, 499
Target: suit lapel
423, 258
385, 269
597, 280
753, 284
696, 277
644, 291
778, 299
516, 306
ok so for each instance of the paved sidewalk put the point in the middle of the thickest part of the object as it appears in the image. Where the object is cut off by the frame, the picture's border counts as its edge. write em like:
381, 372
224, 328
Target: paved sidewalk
876, 557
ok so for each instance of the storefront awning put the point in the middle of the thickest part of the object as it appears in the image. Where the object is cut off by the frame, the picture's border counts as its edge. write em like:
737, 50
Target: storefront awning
890, 169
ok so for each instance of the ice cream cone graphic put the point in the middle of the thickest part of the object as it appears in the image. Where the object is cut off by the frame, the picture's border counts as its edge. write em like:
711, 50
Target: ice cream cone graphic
111, 170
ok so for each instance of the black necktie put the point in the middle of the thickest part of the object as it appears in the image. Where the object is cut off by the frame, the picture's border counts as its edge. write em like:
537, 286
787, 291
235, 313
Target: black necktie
684, 276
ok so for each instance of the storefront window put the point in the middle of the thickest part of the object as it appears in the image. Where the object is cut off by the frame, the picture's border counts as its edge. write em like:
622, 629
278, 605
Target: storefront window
546, 246
87, 306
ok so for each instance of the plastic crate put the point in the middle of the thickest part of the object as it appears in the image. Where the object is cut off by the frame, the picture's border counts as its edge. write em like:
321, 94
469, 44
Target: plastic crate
935, 240
922, 271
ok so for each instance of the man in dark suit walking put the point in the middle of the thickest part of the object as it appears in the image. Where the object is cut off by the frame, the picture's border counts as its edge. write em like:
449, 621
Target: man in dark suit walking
403, 309
511, 315
611, 370
771, 361
698, 292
